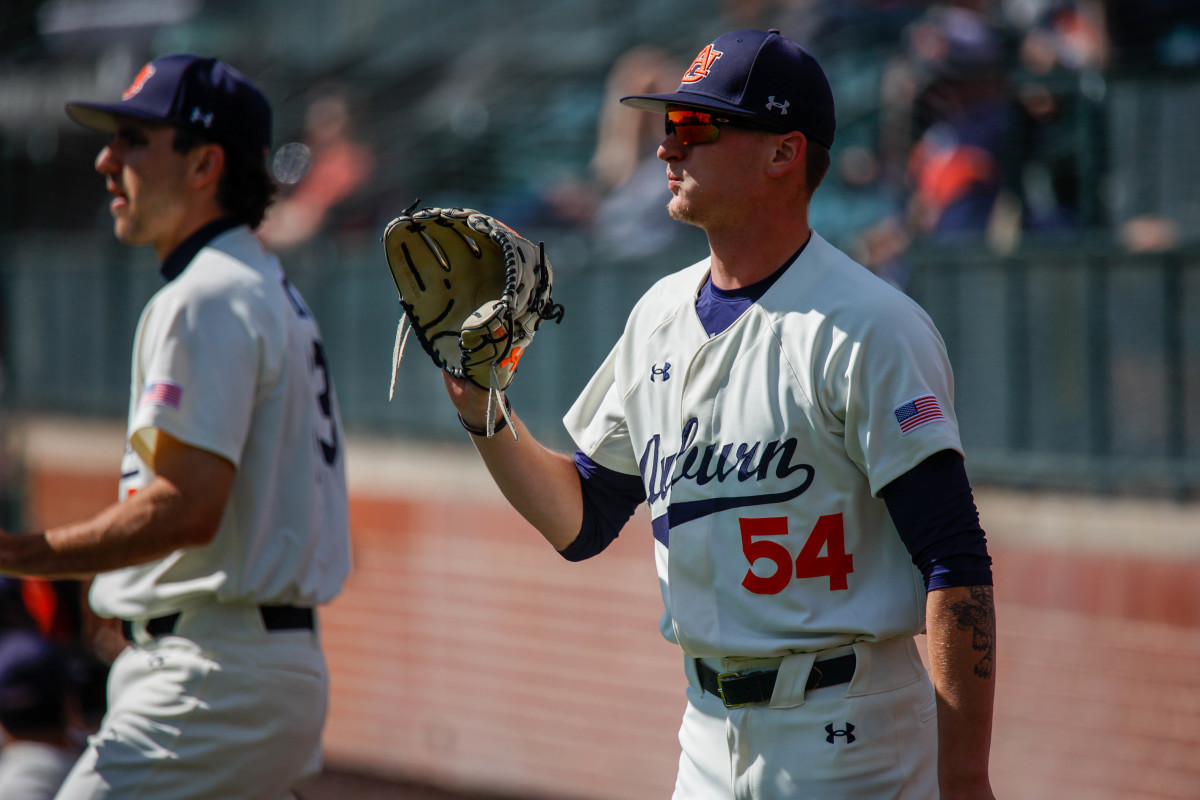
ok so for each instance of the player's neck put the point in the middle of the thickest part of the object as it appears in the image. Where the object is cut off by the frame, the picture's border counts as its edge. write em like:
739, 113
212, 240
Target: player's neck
201, 212
745, 257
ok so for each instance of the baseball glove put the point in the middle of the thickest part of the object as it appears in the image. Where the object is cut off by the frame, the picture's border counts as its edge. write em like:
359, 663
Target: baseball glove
473, 291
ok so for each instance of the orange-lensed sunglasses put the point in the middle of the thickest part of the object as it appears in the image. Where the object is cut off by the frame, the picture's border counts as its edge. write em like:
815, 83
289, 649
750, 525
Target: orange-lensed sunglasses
700, 127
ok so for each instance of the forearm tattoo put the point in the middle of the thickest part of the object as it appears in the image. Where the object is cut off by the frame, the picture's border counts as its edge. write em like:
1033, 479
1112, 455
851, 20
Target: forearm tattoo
978, 615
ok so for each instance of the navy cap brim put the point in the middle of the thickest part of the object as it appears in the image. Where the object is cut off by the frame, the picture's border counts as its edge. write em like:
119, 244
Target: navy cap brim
102, 117
659, 102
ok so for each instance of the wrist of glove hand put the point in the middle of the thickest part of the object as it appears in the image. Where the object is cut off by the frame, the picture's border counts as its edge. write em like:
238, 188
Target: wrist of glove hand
497, 425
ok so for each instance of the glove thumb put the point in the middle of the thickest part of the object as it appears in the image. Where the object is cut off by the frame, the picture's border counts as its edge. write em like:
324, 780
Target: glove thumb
485, 339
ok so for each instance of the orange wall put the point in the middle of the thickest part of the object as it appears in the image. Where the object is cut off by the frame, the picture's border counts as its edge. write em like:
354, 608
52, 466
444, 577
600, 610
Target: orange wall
464, 652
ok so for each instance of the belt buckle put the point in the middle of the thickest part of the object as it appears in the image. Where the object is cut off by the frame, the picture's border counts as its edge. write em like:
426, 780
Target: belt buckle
721, 689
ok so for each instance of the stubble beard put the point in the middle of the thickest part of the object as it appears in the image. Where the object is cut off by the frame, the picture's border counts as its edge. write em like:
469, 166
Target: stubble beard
682, 212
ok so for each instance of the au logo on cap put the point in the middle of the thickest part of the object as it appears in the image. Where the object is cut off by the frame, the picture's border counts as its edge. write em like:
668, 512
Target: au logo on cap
146, 73
699, 69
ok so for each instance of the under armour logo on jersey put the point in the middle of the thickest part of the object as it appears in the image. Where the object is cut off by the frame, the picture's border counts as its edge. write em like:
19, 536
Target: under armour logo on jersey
848, 732
783, 107
664, 372
204, 119
699, 68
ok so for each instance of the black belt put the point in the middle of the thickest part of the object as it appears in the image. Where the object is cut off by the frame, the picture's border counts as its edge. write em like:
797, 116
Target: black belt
756, 687
275, 618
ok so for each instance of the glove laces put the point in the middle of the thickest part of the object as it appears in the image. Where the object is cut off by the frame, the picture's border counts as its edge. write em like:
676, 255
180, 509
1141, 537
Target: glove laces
496, 399
402, 333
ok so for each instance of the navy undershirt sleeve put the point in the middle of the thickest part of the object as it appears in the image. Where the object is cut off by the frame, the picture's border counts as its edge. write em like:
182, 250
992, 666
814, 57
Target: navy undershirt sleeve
934, 511
609, 500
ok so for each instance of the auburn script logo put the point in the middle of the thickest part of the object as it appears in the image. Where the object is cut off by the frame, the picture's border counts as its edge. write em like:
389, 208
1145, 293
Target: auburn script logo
698, 71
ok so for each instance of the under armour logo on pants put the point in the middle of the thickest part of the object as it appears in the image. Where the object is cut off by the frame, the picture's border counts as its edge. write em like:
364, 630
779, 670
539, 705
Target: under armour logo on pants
848, 732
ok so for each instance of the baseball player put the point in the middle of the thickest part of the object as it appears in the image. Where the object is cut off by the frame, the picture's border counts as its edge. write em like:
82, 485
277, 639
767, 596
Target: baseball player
789, 418
231, 526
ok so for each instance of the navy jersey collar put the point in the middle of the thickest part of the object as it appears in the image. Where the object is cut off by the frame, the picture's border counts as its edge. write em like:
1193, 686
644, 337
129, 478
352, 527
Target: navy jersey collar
756, 290
174, 264
718, 308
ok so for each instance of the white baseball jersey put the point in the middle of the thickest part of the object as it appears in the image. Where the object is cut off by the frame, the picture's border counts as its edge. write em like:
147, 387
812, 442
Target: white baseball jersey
228, 359
762, 450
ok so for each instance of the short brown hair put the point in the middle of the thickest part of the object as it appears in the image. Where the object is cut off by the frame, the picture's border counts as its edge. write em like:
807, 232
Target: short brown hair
816, 164
246, 189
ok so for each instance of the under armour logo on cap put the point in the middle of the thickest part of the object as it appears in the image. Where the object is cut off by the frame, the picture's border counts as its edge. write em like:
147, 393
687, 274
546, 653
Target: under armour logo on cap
772, 105
204, 119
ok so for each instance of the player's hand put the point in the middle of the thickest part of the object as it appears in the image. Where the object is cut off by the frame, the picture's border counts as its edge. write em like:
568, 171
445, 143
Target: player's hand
470, 401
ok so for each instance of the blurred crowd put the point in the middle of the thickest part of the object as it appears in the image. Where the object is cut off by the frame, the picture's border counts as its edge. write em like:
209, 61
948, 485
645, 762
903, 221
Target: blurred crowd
959, 120
319, 175
979, 124
52, 673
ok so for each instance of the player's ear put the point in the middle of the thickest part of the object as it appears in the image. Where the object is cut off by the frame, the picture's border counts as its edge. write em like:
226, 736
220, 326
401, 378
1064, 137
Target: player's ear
205, 164
789, 154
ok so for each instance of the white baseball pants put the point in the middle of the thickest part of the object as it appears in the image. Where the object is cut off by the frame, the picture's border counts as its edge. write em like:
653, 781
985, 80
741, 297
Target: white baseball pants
220, 709
874, 738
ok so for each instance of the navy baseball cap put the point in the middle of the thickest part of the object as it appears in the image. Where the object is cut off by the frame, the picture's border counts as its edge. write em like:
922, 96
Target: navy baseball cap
202, 95
760, 76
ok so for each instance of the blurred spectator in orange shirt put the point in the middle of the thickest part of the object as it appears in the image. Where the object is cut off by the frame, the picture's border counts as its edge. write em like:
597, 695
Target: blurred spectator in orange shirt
325, 169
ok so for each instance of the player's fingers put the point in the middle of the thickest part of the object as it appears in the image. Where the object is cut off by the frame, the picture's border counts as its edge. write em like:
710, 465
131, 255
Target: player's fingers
470, 401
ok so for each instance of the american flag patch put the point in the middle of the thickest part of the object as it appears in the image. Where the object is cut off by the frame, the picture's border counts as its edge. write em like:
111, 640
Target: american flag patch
917, 412
162, 393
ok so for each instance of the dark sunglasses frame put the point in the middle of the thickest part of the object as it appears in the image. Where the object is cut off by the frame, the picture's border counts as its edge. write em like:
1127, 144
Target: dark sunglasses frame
708, 131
